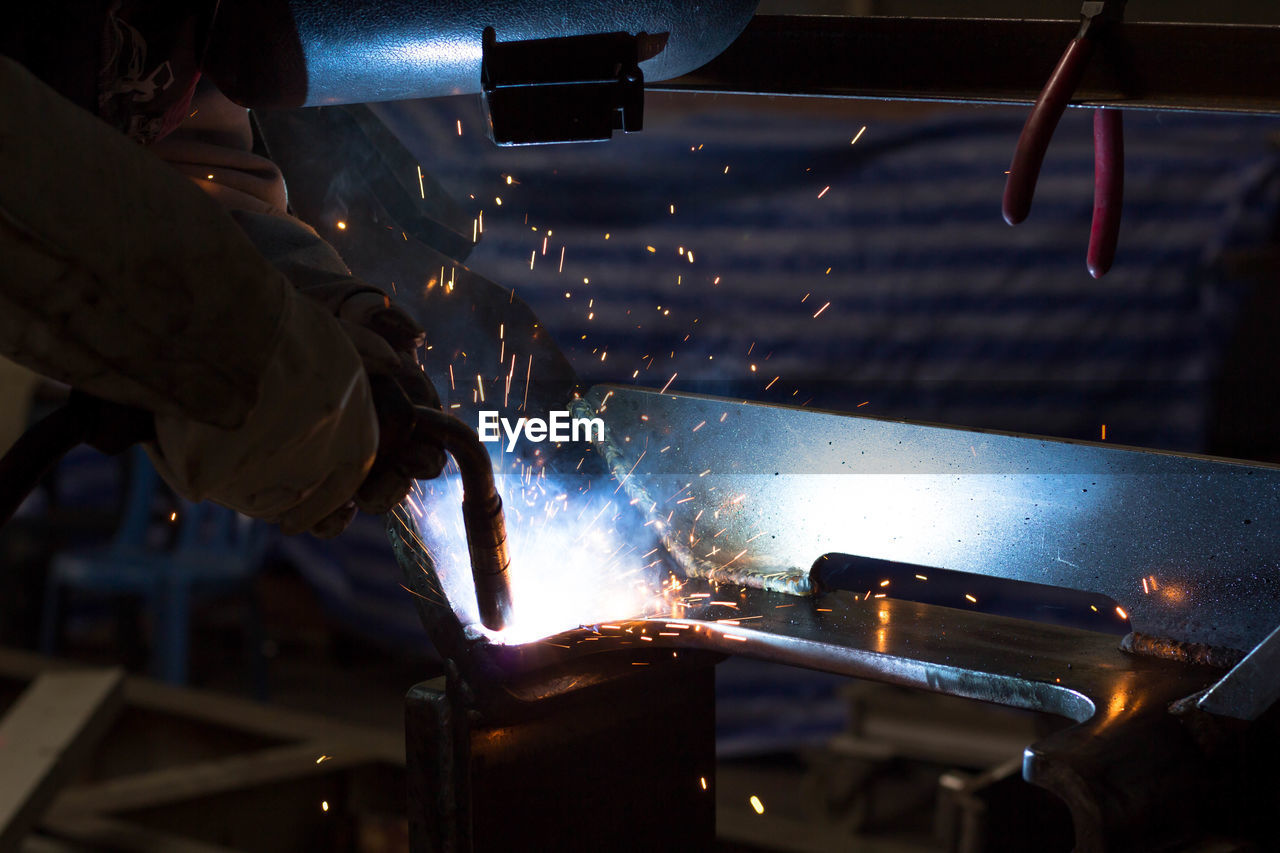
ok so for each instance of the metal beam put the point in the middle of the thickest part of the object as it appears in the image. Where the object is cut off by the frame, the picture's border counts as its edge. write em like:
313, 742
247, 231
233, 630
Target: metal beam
45, 736
95, 832
208, 779
1215, 67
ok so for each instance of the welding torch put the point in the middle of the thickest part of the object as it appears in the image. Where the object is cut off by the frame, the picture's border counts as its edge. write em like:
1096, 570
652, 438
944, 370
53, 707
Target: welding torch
482, 515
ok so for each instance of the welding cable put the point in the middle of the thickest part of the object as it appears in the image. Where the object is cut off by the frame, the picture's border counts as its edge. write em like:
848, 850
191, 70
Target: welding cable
482, 514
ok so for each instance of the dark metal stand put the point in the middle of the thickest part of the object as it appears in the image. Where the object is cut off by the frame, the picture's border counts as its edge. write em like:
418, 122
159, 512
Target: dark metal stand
615, 766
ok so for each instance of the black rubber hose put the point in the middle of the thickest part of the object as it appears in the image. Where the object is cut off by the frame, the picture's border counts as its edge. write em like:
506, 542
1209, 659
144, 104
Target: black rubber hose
37, 451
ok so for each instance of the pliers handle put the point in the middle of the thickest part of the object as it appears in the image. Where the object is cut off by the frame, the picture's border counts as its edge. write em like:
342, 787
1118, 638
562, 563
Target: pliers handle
1108, 142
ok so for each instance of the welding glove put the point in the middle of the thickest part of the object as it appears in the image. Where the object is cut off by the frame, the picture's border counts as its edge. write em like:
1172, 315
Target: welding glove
303, 451
123, 281
387, 341
214, 148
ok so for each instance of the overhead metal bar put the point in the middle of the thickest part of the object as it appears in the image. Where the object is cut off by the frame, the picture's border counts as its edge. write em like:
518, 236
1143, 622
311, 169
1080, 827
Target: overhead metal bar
1163, 66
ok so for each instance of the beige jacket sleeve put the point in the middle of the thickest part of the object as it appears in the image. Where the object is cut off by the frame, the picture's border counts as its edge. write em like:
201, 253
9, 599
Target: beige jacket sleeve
125, 281
117, 273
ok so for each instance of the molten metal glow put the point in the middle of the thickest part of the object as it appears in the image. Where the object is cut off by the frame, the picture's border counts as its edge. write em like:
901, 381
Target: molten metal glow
576, 555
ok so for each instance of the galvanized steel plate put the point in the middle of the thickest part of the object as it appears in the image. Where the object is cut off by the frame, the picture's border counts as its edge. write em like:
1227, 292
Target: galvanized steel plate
1188, 546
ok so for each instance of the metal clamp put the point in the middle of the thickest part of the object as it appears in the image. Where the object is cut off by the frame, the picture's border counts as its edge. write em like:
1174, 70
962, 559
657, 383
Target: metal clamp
573, 89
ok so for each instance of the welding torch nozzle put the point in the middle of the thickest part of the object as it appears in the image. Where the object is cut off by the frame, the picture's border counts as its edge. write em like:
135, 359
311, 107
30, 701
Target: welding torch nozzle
481, 512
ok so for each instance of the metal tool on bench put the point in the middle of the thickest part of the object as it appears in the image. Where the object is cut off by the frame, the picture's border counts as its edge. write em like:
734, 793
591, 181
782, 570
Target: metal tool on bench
1097, 18
1182, 550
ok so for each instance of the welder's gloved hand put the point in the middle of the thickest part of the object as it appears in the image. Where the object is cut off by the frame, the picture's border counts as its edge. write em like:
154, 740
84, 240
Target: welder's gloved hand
217, 140
348, 403
305, 448
388, 341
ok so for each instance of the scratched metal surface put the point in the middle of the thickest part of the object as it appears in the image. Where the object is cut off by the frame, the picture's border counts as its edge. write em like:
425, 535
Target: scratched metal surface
1080, 675
767, 489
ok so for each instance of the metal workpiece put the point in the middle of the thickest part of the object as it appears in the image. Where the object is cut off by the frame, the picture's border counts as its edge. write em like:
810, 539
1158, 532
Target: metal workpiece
1080, 675
932, 585
1175, 779
1184, 546
1187, 546
1132, 774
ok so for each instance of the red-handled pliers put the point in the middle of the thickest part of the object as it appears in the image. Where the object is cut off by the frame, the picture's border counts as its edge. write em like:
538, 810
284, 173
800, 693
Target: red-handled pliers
1108, 141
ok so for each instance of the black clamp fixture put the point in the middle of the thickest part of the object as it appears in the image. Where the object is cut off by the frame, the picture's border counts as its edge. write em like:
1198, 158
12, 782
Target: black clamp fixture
571, 89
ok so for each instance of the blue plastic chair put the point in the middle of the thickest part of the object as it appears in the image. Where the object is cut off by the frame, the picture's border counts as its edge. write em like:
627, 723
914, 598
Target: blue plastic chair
216, 551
